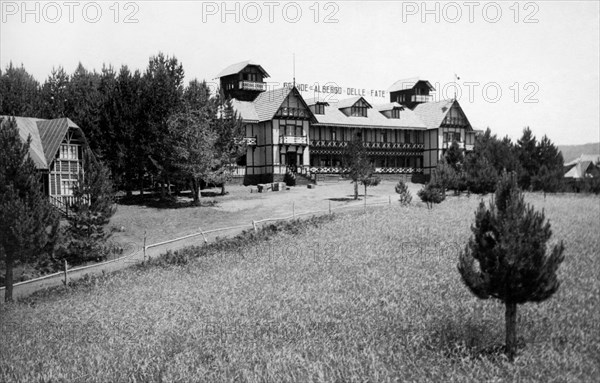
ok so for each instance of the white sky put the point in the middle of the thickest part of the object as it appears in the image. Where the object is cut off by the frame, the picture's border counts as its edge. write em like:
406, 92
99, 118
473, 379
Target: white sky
554, 61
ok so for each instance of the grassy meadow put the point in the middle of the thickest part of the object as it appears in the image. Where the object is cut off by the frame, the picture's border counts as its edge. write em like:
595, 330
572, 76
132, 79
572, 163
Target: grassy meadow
357, 297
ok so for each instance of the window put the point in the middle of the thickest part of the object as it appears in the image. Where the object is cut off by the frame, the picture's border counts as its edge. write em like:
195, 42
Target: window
383, 137
319, 108
400, 99
407, 137
68, 152
67, 187
451, 136
333, 135
358, 111
395, 113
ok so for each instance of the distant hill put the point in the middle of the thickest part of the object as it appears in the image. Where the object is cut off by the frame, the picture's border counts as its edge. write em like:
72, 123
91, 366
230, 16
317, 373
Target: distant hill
571, 152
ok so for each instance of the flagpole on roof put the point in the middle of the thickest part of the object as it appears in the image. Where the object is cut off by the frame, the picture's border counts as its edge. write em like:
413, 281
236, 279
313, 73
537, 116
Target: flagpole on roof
294, 68
456, 78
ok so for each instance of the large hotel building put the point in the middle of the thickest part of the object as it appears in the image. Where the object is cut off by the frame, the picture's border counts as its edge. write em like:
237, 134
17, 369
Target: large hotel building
284, 131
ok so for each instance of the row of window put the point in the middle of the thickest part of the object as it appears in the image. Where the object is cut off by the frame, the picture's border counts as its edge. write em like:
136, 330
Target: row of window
62, 184
379, 162
400, 136
68, 152
356, 111
451, 136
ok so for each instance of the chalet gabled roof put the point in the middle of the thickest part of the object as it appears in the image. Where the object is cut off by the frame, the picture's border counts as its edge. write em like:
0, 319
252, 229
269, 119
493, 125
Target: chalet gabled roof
237, 67
594, 158
28, 126
46, 136
408, 83
349, 102
266, 104
433, 113
245, 110
579, 170
52, 133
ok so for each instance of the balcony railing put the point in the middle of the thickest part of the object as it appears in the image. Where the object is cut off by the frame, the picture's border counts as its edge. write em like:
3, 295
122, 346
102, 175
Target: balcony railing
292, 112
341, 170
369, 145
293, 140
421, 98
250, 141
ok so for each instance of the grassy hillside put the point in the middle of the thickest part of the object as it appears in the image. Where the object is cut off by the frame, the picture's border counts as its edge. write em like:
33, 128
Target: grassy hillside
364, 297
571, 152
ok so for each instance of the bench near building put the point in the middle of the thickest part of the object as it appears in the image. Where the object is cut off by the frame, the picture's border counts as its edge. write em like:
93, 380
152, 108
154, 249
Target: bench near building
284, 131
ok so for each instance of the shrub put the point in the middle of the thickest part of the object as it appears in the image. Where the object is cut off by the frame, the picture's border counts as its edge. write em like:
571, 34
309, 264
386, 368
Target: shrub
431, 194
289, 178
402, 190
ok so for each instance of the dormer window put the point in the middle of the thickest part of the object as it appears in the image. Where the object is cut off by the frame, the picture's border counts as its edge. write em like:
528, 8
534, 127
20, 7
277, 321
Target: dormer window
354, 107
395, 113
358, 111
319, 108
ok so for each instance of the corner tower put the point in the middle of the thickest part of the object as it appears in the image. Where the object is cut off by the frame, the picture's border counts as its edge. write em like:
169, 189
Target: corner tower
411, 92
243, 81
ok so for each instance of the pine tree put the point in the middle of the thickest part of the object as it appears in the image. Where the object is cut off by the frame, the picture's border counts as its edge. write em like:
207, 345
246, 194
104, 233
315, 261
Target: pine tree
405, 196
83, 104
444, 176
54, 95
94, 206
454, 156
27, 220
193, 139
481, 176
19, 92
359, 168
162, 97
506, 257
430, 194
230, 144
527, 152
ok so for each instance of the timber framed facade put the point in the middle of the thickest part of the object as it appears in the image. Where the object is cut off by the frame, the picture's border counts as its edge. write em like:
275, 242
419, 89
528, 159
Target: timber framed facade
285, 132
57, 150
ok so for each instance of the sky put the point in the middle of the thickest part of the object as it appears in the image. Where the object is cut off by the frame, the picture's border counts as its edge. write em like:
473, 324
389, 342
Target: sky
510, 64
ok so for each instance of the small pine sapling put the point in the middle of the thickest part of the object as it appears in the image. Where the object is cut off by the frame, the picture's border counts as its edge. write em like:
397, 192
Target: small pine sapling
404, 193
506, 256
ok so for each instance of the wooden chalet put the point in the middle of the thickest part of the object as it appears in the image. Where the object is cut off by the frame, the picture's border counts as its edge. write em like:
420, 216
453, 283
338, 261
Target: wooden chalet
57, 151
284, 131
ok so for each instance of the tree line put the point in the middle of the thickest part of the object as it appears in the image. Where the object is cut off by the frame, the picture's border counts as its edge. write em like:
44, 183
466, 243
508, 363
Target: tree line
145, 126
537, 164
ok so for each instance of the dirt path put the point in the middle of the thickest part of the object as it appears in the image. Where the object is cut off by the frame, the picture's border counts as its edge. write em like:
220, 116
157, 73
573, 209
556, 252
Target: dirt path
240, 207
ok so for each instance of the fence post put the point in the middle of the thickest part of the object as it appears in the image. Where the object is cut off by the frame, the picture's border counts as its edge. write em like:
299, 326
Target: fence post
390, 199
254, 225
293, 210
144, 245
66, 280
329, 206
203, 236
